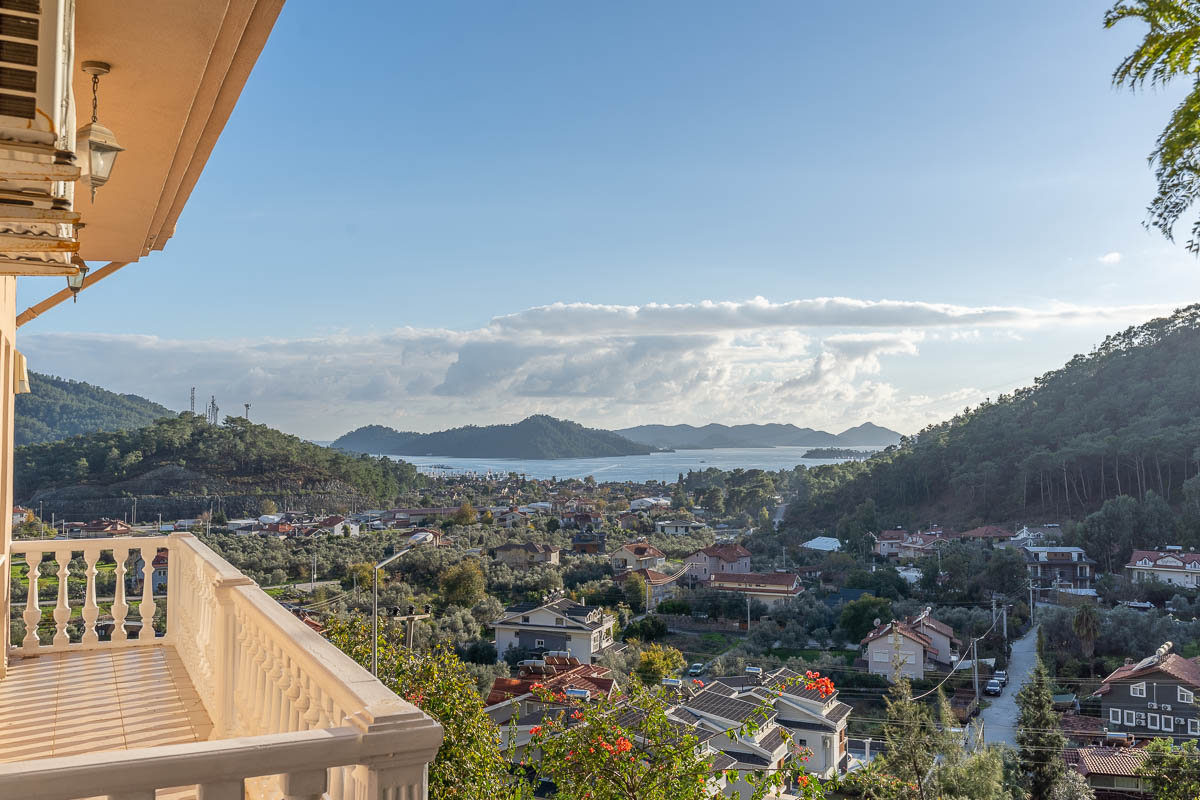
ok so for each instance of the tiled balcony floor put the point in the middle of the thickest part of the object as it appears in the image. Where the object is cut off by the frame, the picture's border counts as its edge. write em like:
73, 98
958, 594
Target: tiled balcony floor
82, 702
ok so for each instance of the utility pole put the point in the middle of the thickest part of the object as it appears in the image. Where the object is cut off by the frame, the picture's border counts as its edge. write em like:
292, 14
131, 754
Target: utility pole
747, 615
247, 405
1032, 605
975, 666
1004, 609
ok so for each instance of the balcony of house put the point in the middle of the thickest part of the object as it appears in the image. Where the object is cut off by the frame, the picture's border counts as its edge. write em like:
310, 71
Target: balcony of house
126, 684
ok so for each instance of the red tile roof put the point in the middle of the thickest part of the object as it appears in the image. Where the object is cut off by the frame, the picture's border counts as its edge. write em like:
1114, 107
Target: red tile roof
756, 578
593, 677
1117, 761
902, 629
1182, 669
987, 532
726, 552
651, 576
1155, 556
643, 550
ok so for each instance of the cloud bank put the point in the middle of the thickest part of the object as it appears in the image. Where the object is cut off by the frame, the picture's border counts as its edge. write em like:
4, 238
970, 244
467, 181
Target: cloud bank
830, 362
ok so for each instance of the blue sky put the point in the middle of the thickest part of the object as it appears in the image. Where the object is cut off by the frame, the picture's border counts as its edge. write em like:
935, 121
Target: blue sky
398, 176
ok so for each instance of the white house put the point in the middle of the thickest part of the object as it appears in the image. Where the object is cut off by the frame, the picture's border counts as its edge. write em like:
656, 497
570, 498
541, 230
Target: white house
823, 544
648, 503
771, 588
637, 555
675, 528
555, 625
894, 649
1171, 565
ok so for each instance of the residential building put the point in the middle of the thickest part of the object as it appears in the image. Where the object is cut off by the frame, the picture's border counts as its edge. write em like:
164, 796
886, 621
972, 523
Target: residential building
158, 575
556, 673
922, 544
526, 553
721, 718
638, 555
1052, 567
1171, 565
590, 542
823, 544
815, 723
1112, 772
649, 503
335, 526
1035, 535
629, 520
771, 588
659, 586
910, 647
945, 646
100, 528
555, 624
513, 518
587, 520
887, 543
21, 514
987, 534
1154, 697
677, 528
227, 694
715, 559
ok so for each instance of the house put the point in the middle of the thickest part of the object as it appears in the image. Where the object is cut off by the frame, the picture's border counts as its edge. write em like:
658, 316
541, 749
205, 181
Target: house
659, 586
589, 542
523, 554
1112, 772
911, 575
1035, 535
555, 624
1171, 565
887, 543
910, 647
720, 718
1154, 697
771, 588
158, 574
21, 515
629, 520
102, 528
649, 503
336, 526
556, 673
922, 544
945, 646
987, 534
1058, 567
638, 555
676, 528
815, 723
717, 558
823, 544
513, 518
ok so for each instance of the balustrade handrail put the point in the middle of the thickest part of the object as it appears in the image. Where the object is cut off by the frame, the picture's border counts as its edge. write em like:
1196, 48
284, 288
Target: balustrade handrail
364, 699
215, 761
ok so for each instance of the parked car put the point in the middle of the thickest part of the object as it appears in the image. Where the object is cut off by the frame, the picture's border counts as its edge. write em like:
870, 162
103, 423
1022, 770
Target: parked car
696, 670
1002, 676
993, 687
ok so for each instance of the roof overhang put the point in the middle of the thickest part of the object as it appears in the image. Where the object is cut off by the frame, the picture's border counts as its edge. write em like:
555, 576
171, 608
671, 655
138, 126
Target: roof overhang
178, 69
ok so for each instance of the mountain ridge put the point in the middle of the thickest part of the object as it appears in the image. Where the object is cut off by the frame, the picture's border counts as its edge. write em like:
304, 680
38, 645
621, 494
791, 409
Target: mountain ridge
58, 408
536, 437
716, 435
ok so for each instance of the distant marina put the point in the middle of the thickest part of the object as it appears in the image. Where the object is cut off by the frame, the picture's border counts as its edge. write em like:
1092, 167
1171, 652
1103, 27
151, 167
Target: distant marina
655, 466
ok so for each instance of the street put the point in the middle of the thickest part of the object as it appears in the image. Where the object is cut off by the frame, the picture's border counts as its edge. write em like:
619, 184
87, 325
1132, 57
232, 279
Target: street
1000, 718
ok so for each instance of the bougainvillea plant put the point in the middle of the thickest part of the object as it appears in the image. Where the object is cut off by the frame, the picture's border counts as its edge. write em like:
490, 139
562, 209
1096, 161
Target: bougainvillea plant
629, 748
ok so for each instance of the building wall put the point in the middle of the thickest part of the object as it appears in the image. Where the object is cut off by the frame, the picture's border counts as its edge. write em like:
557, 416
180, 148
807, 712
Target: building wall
881, 654
1160, 689
8, 333
1171, 576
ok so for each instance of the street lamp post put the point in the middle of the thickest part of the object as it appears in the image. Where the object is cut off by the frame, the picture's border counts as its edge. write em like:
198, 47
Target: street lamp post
375, 608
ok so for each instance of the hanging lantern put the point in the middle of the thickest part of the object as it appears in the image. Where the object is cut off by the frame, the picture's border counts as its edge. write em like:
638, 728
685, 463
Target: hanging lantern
97, 144
75, 282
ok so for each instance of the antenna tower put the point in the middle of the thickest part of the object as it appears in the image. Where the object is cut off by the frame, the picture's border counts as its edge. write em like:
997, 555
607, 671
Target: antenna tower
247, 405
193, 401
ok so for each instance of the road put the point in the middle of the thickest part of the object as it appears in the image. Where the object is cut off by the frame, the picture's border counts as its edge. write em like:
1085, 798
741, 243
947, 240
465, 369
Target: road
1000, 718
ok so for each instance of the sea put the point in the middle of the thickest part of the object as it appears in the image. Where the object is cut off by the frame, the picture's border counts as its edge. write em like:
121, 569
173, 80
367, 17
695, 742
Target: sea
663, 467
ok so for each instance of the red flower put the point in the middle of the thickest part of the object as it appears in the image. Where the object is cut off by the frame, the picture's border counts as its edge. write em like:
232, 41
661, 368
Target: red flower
536, 730
624, 745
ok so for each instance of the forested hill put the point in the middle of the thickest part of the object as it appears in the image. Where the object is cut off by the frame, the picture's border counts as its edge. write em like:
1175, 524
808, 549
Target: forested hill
186, 455
715, 435
1123, 420
538, 436
56, 409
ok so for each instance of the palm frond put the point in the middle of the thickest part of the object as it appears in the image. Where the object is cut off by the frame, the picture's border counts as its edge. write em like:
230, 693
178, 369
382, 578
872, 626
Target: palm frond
1171, 47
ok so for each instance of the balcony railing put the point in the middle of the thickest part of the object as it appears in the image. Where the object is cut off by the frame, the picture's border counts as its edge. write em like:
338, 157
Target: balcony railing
290, 714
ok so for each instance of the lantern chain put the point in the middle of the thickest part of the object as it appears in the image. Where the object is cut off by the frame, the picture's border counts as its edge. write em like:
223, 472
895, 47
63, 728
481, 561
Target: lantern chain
95, 96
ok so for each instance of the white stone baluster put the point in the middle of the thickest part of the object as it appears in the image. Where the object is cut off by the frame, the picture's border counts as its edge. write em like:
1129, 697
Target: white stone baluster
262, 667
147, 608
33, 613
221, 790
62, 610
386, 782
309, 785
312, 715
91, 611
282, 718
297, 700
120, 606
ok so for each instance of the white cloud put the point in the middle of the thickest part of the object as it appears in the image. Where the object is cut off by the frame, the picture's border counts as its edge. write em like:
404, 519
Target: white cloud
1110, 258
831, 362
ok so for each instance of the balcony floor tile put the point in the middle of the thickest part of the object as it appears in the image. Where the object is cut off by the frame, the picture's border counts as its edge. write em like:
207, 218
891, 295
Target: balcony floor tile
82, 702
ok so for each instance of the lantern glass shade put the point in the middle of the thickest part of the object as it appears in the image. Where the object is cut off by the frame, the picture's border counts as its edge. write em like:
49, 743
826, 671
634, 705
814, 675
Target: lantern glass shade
75, 282
98, 148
